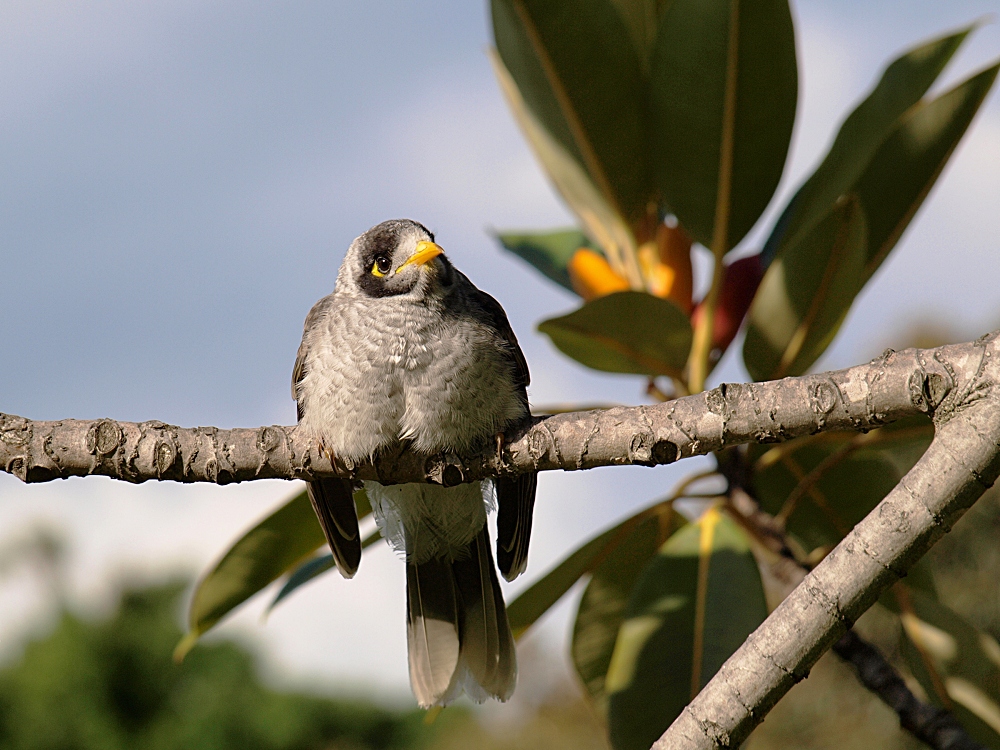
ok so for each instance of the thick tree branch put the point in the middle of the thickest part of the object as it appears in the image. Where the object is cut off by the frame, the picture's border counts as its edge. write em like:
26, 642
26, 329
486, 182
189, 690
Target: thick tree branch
859, 398
962, 462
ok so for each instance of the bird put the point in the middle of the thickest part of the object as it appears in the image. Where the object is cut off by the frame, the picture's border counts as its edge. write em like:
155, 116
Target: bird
407, 353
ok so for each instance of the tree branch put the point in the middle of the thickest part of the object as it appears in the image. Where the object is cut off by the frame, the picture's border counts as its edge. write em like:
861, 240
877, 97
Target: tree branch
956, 385
935, 727
962, 462
859, 398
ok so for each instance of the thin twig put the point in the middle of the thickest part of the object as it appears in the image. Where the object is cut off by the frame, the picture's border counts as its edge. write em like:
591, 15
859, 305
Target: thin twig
935, 727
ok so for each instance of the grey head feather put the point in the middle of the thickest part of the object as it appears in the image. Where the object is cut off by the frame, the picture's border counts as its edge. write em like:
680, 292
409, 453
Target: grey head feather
392, 243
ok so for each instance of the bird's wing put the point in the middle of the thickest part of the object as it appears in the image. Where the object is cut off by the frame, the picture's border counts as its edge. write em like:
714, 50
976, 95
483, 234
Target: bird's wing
498, 319
299, 370
516, 496
332, 499
333, 502
515, 508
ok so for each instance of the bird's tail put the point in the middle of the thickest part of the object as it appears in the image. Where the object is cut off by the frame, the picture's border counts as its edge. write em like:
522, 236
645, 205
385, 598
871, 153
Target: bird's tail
457, 630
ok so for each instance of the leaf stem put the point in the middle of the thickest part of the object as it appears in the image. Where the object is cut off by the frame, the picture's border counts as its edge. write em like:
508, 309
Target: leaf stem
708, 523
701, 348
701, 344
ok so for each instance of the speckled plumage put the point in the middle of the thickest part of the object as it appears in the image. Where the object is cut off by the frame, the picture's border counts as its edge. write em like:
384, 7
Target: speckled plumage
419, 355
382, 370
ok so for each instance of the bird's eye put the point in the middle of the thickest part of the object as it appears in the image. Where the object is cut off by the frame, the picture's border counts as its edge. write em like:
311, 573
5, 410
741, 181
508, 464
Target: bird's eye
381, 266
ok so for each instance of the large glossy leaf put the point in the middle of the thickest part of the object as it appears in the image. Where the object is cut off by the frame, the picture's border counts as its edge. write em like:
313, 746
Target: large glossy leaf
624, 332
602, 607
890, 189
549, 252
822, 485
695, 603
274, 546
957, 665
536, 600
902, 85
724, 86
906, 166
579, 72
806, 294
601, 222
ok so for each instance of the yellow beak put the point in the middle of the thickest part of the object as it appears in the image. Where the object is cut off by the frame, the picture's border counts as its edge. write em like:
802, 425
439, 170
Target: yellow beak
426, 252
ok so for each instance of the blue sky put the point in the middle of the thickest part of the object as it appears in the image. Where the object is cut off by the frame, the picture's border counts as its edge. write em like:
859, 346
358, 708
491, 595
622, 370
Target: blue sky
179, 181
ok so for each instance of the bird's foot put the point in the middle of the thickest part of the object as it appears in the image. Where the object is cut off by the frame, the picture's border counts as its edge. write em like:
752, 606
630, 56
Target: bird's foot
445, 469
337, 464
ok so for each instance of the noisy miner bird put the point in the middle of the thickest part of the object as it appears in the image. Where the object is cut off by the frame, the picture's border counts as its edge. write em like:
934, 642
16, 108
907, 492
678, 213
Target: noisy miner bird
407, 352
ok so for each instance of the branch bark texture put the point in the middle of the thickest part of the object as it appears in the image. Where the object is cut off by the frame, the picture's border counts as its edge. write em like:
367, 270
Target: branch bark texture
858, 398
933, 726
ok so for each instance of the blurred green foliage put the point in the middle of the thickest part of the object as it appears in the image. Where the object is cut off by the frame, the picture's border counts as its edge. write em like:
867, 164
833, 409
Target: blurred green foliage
112, 684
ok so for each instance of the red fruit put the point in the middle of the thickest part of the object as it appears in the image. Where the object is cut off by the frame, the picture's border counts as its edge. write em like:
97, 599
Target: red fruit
740, 280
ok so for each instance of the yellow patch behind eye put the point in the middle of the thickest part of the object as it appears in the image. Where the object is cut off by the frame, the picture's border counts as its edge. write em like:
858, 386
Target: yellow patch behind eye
375, 271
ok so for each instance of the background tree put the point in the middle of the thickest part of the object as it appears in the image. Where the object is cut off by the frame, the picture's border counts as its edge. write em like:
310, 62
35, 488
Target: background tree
111, 684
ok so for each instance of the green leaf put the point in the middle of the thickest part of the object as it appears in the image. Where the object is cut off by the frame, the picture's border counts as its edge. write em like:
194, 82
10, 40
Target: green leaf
902, 85
312, 569
630, 332
724, 86
948, 654
601, 222
549, 252
693, 606
906, 166
602, 607
579, 72
823, 484
805, 295
306, 572
272, 547
893, 185
536, 600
